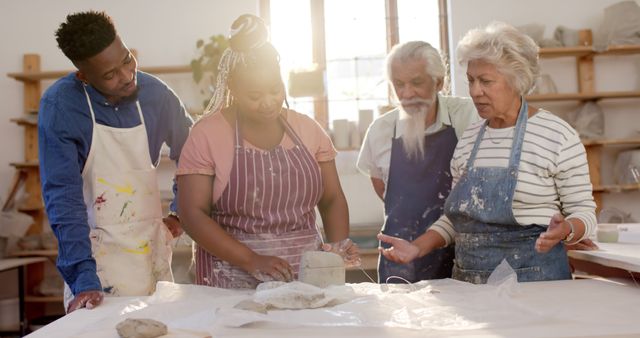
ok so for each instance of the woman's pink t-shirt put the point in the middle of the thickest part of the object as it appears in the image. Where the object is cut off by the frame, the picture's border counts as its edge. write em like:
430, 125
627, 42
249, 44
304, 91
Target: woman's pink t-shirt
209, 148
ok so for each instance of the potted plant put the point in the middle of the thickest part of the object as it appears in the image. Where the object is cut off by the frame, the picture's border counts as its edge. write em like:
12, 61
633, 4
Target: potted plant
204, 67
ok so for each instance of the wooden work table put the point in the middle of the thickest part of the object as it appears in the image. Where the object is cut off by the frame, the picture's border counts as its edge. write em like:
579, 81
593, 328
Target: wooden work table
620, 259
20, 264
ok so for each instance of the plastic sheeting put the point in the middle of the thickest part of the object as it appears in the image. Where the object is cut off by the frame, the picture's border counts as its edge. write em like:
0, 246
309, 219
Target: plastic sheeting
442, 308
434, 305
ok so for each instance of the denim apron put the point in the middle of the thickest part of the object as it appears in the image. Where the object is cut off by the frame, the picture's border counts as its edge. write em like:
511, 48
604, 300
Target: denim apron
480, 208
416, 191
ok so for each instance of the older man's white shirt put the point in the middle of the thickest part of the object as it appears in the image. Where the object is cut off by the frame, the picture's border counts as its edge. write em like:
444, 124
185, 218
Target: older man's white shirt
375, 156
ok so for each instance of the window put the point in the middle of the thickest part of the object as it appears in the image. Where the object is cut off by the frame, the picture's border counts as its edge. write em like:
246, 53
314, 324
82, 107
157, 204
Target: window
419, 20
354, 45
291, 36
355, 52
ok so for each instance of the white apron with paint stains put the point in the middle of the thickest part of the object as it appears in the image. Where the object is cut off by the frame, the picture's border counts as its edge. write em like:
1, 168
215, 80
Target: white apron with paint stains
130, 243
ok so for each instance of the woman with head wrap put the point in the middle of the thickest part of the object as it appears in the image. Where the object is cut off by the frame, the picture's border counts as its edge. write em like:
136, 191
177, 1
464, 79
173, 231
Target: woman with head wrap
520, 175
253, 172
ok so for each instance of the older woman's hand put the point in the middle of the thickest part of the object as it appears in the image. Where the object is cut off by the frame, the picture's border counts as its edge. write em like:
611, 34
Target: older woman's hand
557, 230
401, 251
585, 244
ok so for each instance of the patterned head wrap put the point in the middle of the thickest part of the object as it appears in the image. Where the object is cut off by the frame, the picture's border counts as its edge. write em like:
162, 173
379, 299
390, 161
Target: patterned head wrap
247, 33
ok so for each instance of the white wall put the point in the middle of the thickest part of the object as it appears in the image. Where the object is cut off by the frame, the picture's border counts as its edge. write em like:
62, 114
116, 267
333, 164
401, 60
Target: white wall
163, 32
611, 73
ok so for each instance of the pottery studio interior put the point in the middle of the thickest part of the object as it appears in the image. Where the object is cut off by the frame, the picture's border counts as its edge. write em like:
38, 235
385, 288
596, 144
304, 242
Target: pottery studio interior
378, 168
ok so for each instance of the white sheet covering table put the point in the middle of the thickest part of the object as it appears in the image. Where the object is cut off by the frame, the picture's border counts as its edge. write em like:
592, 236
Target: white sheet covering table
446, 308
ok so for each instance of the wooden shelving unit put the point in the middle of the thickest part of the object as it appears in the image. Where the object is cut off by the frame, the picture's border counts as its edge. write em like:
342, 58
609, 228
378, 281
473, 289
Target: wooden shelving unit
584, 56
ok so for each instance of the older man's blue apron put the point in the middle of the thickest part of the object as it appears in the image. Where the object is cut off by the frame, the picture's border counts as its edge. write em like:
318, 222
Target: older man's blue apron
480, 208
416, 191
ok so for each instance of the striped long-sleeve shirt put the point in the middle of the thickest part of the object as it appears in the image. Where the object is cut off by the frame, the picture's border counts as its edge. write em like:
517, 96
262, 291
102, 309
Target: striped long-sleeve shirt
553, 175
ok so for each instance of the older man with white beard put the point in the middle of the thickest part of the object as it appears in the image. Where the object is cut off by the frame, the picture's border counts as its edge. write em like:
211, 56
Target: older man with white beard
407, 153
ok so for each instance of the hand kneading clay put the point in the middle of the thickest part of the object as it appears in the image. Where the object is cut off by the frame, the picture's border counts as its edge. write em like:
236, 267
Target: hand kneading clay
141, 328
321, 269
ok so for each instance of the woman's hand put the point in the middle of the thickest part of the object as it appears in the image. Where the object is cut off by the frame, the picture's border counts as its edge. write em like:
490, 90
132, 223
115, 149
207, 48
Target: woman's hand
401, 251
270, 268
558, 230
348, 250
86, 299
585, 244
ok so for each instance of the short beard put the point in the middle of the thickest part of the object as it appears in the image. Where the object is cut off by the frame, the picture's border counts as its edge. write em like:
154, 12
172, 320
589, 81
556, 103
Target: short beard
132, 97
413, 134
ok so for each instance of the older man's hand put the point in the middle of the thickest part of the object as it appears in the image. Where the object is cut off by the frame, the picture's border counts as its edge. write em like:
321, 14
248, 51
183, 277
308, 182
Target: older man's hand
173, 224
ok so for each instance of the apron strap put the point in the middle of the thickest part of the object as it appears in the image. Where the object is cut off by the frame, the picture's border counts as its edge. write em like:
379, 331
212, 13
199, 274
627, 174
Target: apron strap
93, 116
518, 137
287, 128
140, 112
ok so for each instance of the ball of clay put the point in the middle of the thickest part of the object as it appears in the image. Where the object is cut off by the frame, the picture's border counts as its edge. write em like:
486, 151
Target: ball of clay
141, 328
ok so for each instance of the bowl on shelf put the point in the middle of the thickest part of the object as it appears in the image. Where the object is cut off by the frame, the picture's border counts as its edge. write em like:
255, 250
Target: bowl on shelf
30, 242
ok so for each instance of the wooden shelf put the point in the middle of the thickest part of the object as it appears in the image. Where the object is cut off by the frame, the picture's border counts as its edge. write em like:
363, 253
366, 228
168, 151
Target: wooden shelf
29, 208
53, 253
588, 50
43, 299
26, 121
583, 96
611, 142
616, 188
56, 74
25, 165
35, 253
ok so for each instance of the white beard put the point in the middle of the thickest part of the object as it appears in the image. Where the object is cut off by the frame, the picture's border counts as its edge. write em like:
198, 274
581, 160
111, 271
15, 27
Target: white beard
413, 133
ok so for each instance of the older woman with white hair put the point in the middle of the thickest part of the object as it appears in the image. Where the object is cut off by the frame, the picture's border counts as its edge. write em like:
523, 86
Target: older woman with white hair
521, 179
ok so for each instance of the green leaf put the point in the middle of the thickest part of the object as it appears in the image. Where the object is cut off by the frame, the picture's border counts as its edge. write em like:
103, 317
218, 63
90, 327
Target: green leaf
196, 68
209, 49
199, 43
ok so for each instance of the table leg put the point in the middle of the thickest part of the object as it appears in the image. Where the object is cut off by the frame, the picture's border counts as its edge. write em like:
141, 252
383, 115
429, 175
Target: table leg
23, 321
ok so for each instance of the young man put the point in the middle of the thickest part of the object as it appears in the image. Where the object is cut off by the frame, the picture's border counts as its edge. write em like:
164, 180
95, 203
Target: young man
407, 153
100, 132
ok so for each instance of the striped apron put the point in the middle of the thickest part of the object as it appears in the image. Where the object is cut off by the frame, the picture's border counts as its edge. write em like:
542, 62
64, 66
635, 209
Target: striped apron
269, 205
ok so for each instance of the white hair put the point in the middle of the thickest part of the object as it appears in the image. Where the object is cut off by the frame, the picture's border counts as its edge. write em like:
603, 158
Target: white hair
514, 54
418, 50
